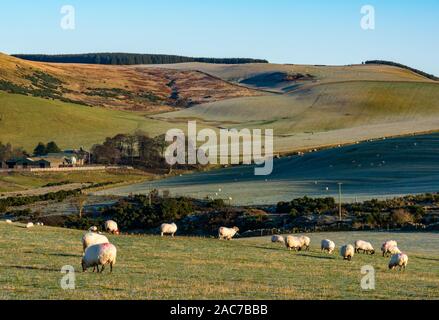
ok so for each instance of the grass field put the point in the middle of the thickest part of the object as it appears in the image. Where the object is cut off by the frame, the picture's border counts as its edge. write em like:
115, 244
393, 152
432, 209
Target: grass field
150, 267
19, 181
24, 121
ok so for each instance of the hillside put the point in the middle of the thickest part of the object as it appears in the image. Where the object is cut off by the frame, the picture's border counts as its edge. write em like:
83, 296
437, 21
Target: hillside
115, 87
24, 121
313, 106
150, 267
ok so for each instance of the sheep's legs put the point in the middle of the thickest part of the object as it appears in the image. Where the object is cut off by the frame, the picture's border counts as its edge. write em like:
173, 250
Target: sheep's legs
161, 234
111, 267
102, 268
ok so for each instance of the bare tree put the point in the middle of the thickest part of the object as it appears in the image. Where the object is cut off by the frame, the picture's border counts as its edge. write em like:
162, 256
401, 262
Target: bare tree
78, 203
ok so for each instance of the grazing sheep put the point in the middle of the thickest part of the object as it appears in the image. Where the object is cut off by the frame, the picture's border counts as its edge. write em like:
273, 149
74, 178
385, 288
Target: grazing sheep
227, 233
8, 221
29, 225
111, 227
305, 242
167, 228
385, 248
277, 239
328, 245
398, 260
364, 246
91, 238
93, 229
99, 255
293, 243
347, 252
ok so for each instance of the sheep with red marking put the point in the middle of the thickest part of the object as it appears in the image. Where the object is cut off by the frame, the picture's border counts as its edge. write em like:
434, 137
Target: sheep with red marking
387, 246
92, 238
99, 255
111, 227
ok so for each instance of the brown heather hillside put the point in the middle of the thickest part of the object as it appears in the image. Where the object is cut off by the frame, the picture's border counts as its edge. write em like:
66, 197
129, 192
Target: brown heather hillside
116, 87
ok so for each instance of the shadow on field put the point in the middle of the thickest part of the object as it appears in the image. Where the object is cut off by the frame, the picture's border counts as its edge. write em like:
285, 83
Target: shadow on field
429, 259
316, 257
29, 268
65, 255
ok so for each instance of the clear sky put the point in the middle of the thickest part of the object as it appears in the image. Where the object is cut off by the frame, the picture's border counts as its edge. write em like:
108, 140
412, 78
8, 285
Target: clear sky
282, 31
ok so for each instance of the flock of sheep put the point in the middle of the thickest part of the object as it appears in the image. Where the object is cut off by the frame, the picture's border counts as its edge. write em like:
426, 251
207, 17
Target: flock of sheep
99, 252
390, 247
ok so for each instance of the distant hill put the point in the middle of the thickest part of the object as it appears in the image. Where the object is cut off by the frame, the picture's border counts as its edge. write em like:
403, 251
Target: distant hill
395, 64
130, 59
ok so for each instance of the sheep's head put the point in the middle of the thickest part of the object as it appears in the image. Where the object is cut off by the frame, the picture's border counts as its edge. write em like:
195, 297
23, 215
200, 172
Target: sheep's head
236, 229
117, 232
372, 252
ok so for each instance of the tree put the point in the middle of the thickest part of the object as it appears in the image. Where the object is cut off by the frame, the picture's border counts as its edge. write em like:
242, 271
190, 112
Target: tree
78, 202
52, 148
40, 149
401, 217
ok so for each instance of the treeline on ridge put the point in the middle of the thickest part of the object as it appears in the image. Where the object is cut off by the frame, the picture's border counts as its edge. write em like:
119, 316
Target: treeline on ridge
395, 64
130, 59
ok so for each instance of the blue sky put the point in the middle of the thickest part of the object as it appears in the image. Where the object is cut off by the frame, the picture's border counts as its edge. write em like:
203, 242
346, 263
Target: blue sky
282, 31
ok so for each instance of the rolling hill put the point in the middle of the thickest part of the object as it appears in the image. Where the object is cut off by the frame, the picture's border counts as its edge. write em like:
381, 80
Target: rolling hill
308, 106
116, 87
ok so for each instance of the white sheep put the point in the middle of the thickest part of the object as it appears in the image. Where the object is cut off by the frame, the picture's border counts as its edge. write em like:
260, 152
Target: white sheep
93, 229
92, 238
99, 255
347, 252
277, 239
386, 246
111, 227
227, 233
306, 241
364, 246
398, 260
328, 245
293, 243
8, 221
167, 228
29, 225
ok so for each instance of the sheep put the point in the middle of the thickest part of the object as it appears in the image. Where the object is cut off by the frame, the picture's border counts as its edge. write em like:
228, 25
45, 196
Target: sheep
99, 255
385, 248
8, 221
347, 252
394, 250
293, 243
328, 245
277, 239
227, 233
91, 238
364, 246
167, 228
111, 227
305, 242
29, 225
93, 229
398, 260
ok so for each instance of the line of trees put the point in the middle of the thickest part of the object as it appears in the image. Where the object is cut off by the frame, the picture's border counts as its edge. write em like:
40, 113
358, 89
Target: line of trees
43, 149
394, 64
130, 59
7, 152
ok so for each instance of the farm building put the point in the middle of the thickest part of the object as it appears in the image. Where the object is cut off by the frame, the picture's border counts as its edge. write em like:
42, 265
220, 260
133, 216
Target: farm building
49, 161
